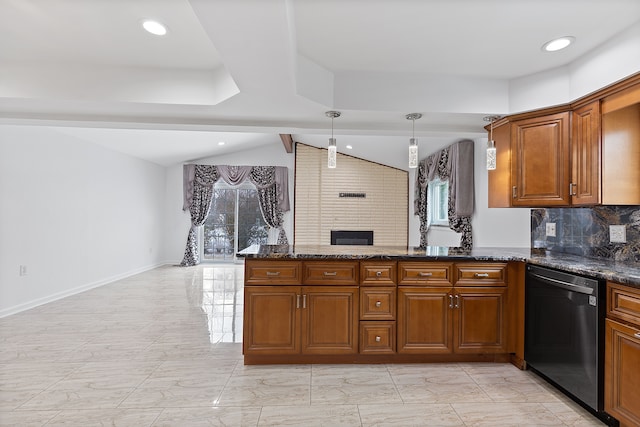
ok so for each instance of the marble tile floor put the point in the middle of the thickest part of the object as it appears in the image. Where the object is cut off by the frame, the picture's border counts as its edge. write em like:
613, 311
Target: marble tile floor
163, 348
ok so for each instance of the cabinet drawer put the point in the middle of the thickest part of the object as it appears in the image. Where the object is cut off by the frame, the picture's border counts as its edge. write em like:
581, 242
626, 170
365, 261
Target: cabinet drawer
481, 274
377, 337
330, 273
270, 272
377, 273
424, 273
623, 303
378, 303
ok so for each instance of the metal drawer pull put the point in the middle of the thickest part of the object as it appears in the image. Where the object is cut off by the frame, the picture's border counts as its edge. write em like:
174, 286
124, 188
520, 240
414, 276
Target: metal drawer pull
333, 273
378, 273
378, 304
298, 301
481, 274
273, 273
423, 274
637, 335
457, 301
378, 339
450, 301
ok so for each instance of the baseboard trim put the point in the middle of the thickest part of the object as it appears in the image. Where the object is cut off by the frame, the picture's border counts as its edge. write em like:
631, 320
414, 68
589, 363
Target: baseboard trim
79, 289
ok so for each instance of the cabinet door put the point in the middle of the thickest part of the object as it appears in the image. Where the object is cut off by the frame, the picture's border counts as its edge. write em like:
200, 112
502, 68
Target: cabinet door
585, 155
329, 319
622, 373
424, 320
479, 320
271, 320
540, 163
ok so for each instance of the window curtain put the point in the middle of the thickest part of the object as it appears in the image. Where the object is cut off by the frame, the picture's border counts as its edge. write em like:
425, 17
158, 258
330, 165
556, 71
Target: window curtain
453, 164
271, 182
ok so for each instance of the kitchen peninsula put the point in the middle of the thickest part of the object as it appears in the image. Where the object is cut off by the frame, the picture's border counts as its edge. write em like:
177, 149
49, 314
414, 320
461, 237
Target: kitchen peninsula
369, 304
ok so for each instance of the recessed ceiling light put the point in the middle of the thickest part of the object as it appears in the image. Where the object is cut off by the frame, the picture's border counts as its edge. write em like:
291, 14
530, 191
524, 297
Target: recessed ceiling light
154, 27
558, 44
349, 147
221, 143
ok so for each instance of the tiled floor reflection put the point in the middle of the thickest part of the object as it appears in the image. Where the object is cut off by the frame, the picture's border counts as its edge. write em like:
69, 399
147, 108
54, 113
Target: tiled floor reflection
163, 348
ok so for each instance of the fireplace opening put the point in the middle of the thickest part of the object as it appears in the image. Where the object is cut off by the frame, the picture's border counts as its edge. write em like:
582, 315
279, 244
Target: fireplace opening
351, 237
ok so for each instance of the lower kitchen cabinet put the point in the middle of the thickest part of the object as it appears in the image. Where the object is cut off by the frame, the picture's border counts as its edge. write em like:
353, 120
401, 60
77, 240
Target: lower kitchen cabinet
467, 317
452, 320
479, 320
622, 355
287, 320
425, 320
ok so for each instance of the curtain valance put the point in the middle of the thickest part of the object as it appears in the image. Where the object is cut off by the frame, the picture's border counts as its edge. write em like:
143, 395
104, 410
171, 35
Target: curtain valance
271, 182
453, 164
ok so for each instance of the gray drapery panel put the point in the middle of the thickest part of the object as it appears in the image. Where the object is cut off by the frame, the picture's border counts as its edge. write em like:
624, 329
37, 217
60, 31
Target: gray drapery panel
201, 187
272, 183
455, 165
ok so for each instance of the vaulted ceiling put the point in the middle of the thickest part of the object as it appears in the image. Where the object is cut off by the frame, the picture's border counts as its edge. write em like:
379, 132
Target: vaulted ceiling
244, 71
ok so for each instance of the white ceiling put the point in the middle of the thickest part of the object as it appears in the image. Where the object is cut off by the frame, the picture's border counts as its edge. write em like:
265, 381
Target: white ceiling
243, 71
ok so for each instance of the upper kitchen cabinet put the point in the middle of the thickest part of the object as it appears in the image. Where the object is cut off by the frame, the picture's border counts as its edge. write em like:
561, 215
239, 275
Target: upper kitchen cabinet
585, 186
579, 154
540, 161
621, 147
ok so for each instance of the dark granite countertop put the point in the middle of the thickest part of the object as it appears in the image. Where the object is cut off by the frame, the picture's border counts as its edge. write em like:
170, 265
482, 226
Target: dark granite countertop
625, 273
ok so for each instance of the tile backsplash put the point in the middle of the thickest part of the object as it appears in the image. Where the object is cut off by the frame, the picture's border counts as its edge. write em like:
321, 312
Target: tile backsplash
585, 231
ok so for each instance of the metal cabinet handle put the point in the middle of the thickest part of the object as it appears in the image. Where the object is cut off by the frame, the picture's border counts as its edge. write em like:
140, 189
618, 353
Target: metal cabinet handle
298, 301
572, 189
514, 192
378, 304
457, 301
450, 301
481, 274
304, 301
378, 273
273, 273
423, 274
378, 339
330, 273
637, 335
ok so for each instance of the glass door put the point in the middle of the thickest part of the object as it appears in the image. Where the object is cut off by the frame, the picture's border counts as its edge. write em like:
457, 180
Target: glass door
234, 223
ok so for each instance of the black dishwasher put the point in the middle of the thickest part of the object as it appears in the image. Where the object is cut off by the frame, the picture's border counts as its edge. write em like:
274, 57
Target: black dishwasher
564, 333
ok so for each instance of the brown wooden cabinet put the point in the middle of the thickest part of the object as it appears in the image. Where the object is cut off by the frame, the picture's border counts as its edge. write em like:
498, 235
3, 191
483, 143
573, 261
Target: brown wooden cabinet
578, 154
351, 311
585, 188
622, 355
301, 319
467, 316
540, 161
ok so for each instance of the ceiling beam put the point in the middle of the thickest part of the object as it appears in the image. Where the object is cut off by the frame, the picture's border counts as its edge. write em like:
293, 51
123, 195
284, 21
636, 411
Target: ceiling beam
287, 141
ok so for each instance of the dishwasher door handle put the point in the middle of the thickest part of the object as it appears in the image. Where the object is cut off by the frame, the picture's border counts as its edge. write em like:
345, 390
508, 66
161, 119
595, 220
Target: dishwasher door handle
564, 285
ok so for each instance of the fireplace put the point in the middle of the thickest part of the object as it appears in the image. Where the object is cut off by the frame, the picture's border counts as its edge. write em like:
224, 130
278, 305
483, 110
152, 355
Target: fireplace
351, 237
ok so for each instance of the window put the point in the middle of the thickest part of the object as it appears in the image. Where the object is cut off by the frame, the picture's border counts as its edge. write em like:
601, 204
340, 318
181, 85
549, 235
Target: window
234, 223
438, 202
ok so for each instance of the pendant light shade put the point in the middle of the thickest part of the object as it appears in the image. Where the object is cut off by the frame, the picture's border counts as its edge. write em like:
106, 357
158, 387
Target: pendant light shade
491, 145
413, 141
332, 158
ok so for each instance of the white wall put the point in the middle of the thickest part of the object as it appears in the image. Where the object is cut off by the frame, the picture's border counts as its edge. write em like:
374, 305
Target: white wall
178, 222
75, 214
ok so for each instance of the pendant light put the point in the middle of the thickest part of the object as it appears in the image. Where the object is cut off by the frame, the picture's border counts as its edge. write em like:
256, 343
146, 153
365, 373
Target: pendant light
413, 142
491, 145
331, 161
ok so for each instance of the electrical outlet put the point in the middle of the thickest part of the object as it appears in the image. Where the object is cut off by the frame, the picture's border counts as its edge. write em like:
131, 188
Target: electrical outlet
23, 270
551, 229
617, 234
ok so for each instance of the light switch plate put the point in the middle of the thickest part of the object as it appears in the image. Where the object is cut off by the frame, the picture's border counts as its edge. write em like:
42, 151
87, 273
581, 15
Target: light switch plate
617, 234
551, 229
